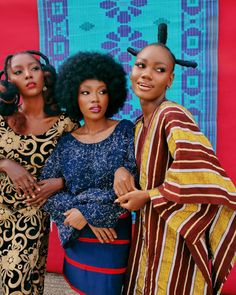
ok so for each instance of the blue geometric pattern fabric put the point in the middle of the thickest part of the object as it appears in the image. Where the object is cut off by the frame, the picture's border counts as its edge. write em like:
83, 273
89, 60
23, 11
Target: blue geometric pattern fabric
67, 26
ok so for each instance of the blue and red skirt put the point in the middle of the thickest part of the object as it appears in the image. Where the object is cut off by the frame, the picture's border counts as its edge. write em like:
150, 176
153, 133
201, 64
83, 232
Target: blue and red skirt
91, 267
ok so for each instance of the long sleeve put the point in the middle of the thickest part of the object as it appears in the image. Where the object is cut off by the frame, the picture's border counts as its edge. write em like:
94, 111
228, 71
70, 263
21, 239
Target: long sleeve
194, 174
52, 167
129, 160
189, 189
97, 206
56, 206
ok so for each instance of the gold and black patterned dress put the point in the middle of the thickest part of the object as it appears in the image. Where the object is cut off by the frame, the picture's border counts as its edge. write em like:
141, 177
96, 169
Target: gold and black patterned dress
24, 229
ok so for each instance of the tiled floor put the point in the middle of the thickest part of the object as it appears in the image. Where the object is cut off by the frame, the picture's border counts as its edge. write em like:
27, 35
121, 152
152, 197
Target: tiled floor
56, 285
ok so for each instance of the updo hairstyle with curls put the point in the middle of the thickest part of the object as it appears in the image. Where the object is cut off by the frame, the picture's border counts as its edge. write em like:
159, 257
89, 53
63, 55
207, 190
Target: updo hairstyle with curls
9, 93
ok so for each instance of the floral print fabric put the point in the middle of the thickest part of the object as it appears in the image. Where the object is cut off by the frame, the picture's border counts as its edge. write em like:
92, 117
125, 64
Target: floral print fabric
24, 229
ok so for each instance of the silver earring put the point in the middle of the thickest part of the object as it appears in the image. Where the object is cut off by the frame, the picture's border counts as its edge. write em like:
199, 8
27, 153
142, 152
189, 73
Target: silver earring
44, 88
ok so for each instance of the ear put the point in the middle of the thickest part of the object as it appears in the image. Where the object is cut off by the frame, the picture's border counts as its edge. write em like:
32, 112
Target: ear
171, 79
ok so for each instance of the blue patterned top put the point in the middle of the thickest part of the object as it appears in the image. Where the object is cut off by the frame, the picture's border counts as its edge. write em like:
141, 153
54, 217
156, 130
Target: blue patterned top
88, 170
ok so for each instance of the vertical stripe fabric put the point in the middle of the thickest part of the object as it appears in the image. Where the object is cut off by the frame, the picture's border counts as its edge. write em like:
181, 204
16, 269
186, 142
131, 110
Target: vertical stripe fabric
184, 241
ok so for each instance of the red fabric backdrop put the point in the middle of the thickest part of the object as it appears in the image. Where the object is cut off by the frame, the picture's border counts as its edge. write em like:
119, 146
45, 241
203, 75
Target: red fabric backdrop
226, 121
19, 31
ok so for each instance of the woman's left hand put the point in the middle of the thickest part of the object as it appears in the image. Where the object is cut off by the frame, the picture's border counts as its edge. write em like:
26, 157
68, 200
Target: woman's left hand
48, 187
75, 219
134, 200
103, 234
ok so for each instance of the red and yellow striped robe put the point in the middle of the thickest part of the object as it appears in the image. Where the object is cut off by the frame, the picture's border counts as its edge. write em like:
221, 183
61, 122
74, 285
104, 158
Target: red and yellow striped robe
185, 238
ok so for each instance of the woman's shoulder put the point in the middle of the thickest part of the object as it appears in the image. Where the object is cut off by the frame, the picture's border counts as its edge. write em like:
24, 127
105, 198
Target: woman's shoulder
124, 129
172, 106
125, 126
67, 123
171, 109
125, 123
64, 141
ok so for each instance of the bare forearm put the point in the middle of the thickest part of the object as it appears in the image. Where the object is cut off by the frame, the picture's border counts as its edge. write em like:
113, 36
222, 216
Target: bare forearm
3, 164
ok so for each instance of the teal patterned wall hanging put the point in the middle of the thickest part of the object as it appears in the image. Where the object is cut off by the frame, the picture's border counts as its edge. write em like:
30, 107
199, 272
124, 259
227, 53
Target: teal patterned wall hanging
67, 26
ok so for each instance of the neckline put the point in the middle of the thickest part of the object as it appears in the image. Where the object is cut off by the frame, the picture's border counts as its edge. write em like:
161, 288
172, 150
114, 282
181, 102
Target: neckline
31, 134
152, 115
100, 141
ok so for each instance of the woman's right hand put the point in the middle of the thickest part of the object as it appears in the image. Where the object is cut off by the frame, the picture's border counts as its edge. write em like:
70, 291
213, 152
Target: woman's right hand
75, 219
22, 180
103, 234
48, 187
123, 181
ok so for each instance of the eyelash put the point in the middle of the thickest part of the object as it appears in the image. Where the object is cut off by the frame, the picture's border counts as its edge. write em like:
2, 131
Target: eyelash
142, 65
17, 73
104, 91
36, 68
160, 70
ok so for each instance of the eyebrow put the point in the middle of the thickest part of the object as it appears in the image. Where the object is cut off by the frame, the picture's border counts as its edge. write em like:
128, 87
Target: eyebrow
156, 62
89, 86
20, 66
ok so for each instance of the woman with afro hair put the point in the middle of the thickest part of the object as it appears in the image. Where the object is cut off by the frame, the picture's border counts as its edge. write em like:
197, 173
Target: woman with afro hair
29, 131
94, 231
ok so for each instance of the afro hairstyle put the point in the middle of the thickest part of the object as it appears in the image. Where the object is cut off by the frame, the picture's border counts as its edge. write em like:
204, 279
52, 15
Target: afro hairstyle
90, 65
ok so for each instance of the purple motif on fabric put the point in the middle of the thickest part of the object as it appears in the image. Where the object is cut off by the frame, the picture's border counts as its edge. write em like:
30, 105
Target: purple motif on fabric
192, 41
192, 81
192, 7
56, 30
125, 37
123, 10
129, 109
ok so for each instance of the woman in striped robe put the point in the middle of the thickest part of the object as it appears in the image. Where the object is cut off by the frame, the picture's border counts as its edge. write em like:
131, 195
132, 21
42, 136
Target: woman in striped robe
185, 233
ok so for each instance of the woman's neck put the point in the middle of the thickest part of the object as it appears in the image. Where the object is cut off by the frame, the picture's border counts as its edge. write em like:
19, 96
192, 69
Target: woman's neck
148, 107
33, 107
91, 127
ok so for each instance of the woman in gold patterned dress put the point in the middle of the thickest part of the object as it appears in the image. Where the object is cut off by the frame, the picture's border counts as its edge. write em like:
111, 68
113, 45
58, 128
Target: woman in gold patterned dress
28, 133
